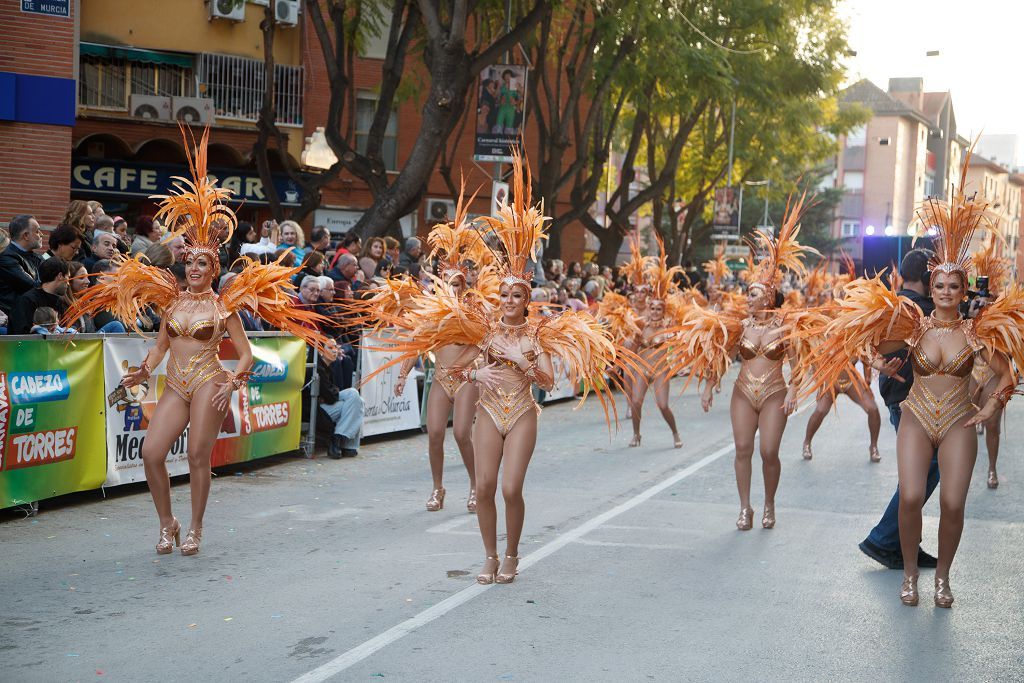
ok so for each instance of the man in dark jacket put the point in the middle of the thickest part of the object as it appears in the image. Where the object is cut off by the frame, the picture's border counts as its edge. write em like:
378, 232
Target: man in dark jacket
19, 264
883, 543
53, 278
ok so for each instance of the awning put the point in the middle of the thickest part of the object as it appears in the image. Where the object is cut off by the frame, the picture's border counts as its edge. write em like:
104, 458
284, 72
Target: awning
133, 54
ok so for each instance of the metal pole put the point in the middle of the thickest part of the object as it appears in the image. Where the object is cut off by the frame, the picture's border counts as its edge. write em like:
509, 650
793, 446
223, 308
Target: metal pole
766, 190
739, 220
732, 135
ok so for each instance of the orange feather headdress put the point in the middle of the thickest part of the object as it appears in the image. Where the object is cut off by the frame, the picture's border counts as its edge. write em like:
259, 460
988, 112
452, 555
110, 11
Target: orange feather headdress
520, 227
659, 276
635, 268
458, 242
195, 207
717, 268
782, 252
955, 223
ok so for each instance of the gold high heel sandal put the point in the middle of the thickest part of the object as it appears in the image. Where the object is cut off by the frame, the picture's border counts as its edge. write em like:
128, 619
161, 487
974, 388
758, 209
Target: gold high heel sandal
908, 592
191, 544
943, 594
807, 452
768, 518
635, 442
487, 578
436, 500
993, 479
508, 578
874, 454
168, 535
746, 520
471, 502
677, 441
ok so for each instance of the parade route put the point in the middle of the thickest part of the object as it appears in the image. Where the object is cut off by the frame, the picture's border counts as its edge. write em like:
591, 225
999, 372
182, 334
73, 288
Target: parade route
633, 570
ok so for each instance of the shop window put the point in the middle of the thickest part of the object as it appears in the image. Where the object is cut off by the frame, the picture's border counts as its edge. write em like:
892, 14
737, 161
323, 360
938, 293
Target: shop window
236, 85
366, 106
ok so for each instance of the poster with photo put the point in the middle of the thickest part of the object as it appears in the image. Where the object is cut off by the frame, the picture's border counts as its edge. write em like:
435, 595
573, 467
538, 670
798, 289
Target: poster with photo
500, 110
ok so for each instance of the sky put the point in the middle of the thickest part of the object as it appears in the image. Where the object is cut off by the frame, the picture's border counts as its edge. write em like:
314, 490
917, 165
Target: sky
979, 62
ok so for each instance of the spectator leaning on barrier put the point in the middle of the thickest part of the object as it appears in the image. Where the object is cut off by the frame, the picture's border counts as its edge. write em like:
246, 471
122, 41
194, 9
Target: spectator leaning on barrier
341, 409
44, 321
53, 285
19, 264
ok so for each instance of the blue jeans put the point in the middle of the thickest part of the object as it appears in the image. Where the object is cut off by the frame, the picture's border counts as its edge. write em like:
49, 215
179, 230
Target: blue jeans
886, 534
113, 327
347, 415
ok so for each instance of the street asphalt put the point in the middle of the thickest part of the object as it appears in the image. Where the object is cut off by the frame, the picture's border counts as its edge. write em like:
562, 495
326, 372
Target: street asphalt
315, 570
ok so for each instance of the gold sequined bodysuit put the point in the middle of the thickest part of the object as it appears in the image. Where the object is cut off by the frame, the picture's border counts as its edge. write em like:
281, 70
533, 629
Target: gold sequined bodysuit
646, 344
512, 395
759, 388
195, 325
935, 412
450, 379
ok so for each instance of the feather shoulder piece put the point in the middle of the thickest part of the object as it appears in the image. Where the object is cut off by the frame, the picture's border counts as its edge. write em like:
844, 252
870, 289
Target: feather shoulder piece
383, 305
623, 323
267, 291
869, 314
990, 262
1000, 325
703, 344
126, 292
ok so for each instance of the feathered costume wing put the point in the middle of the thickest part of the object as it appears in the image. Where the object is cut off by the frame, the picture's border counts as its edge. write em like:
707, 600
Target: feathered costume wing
635, 268
703, 344
869, 314
623, 323
126, 293
1000, 325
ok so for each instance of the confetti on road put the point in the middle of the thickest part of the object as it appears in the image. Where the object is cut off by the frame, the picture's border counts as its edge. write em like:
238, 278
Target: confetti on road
228, 618
72, 654
192, 625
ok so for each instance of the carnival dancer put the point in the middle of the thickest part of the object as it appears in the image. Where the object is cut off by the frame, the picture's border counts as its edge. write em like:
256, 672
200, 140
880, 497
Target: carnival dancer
761, 399
457, 248
853, 384
650, 345
198, 389
515, 348
988, 263
938, 413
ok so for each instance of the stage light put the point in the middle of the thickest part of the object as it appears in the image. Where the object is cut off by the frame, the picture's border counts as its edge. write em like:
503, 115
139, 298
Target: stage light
889, 231
870, 230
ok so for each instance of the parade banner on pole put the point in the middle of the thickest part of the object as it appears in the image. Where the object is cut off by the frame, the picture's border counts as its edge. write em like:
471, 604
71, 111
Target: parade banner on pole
263, 420
383, 412
51, 418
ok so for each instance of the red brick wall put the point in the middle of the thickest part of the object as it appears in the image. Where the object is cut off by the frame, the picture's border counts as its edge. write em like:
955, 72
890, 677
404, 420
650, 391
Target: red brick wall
36, 168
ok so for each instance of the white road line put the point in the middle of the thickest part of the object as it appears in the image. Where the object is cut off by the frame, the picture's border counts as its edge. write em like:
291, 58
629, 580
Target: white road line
642, 546
399, 631
445, 527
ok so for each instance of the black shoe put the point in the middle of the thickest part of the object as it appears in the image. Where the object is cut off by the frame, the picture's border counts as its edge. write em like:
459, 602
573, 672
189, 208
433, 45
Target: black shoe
334, 450
924, 560
887, 558
349, 453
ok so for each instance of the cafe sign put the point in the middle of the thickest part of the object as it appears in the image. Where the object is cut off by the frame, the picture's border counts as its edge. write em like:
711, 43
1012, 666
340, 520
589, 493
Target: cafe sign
131, 179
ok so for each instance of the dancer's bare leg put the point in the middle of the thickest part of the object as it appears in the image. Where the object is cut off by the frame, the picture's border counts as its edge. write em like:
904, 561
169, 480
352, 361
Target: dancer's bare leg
771, 422
462, 426
744, 427
957, 455
661, 386
487, 451
821, 409
913, 459
636, 402
519, 446
165, 427
204, 426
993, 429
867, 401
439, 407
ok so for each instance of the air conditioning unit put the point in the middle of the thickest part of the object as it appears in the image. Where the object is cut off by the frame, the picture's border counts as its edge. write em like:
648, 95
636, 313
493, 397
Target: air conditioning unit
151, 107
233, 10
286, 12
192, 109
440, 211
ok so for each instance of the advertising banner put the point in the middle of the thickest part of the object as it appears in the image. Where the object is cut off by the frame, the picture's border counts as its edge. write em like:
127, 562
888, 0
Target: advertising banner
383, 412
51, 418
727, 212
263, 420
501, 104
